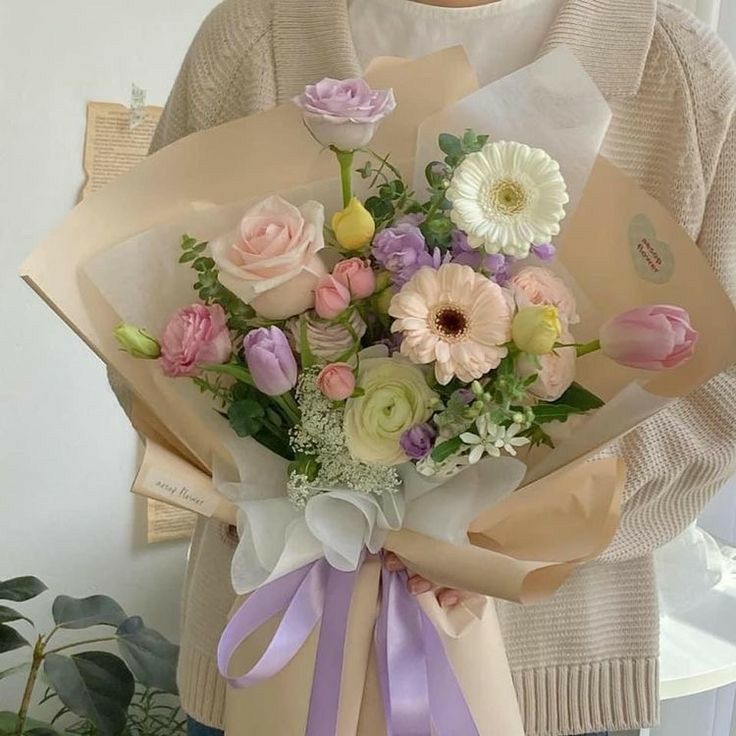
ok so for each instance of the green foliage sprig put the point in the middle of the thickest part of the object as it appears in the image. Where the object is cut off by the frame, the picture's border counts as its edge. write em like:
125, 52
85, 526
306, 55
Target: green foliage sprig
96, 686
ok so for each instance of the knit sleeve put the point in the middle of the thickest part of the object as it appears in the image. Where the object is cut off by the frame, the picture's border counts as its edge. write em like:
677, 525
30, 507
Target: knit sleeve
682, 456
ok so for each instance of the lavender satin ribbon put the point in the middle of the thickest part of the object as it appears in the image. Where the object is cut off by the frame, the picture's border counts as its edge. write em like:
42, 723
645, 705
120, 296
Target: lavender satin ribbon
418, 687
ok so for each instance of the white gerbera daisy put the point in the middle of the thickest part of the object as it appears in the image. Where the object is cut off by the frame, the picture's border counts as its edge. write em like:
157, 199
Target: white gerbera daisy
508, 197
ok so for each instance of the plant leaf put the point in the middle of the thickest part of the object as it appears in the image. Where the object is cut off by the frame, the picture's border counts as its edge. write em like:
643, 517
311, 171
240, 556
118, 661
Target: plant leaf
445, 449
246, 417
80, 613
93, 685
450, 144
151, 657
9, 726
21, 589
580, 398
10, 639
9, 614
14, 670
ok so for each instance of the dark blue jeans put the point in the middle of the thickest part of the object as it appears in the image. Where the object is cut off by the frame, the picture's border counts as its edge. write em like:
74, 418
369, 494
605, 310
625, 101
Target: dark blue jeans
197, 729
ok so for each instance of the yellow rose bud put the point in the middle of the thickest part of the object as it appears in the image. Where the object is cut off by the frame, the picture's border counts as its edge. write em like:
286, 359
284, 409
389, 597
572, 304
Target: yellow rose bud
137, 342
354, 226
535, 330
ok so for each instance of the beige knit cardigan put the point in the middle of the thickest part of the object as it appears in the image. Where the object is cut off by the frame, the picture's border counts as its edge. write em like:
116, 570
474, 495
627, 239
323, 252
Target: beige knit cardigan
588, 659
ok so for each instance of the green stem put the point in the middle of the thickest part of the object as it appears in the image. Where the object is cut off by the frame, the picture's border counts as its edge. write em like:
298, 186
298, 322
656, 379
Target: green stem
38, 655
345, 159
81, 643
289, 406
589, 347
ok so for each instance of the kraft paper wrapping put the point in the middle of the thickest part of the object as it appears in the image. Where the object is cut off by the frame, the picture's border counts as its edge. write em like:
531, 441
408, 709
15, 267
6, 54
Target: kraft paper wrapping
620, 245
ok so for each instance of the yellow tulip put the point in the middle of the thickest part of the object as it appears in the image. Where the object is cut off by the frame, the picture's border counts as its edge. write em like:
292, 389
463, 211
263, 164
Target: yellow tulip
535, 330
354, 226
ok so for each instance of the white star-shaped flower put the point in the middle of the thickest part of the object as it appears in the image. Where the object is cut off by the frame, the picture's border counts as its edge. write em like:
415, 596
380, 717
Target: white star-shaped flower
492, 439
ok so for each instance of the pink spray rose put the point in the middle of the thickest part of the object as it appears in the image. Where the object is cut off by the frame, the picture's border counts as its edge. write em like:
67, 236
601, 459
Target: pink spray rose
654, 337
331, 298
336, 381
555, 372
536, 286
344, 113
357, 275
271, 261
195, 336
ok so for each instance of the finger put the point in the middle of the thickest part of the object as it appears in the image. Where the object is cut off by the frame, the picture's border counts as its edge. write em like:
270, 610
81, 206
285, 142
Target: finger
449, 597
418, 585
392, 562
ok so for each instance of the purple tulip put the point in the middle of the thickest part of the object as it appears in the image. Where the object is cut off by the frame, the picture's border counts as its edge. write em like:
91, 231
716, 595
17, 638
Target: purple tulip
270, 360
417, 441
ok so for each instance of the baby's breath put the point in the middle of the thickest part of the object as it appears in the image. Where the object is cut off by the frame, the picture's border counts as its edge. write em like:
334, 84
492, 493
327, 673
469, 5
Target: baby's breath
321, 435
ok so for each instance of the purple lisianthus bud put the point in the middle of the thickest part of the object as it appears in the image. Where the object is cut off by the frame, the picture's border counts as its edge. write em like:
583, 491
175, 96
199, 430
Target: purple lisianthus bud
417, 441
544, 251
344, 113
465, 395
270, 360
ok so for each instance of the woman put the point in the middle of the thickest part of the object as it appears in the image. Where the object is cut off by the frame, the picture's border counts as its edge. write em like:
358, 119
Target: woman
588, 659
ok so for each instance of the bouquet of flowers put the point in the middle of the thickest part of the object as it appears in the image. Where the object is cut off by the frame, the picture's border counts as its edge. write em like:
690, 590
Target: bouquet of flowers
382, 361
413, 329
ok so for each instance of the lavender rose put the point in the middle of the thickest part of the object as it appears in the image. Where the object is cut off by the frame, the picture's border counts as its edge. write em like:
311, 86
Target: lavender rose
270, 360
417, 441
344, 113
195, 336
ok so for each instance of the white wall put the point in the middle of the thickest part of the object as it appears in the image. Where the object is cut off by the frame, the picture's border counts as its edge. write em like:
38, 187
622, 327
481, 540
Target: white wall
67, 452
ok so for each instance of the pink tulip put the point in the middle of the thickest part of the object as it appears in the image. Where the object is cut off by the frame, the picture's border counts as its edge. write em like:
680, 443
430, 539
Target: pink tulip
654, 337
357, 275
336, 381
331, 298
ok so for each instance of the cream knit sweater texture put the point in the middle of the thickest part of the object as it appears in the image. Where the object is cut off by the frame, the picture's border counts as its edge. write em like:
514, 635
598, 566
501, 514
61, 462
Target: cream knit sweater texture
587, 660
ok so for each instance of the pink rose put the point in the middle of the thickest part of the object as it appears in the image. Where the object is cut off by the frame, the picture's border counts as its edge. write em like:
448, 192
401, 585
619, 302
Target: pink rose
336, 381
654, 337
271, 261
555, 372
534, 286
195, 336
357, 275
331, 298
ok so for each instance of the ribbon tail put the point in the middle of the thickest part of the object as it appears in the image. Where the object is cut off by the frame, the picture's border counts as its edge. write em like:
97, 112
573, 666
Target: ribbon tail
402, 664
325, 699
302, 594
451, 715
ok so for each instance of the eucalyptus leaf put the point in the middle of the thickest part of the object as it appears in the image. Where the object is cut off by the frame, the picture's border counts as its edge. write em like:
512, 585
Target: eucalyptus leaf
93, 685
450, 144
10, 614
21, 589
81, 613
10, 639
151, 657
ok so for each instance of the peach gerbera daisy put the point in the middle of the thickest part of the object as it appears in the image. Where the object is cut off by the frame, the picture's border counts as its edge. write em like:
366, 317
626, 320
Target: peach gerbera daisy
454, 317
